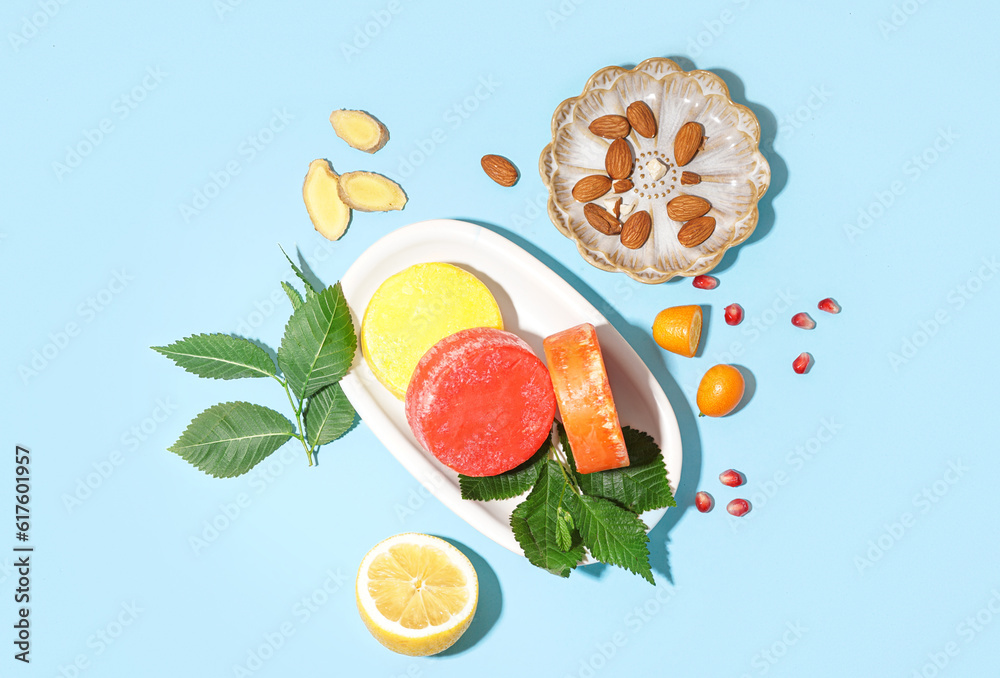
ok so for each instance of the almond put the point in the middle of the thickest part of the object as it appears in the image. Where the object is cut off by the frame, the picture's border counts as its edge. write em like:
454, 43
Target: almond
640, 116
591, 188
636, 229
690, 178
623, 185
696, 231
601, 219
688, 142
611, 126
687, 207
499, 169
618, 161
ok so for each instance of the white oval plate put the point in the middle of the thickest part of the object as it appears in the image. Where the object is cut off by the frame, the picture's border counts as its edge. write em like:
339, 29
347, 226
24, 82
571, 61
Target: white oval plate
535, 302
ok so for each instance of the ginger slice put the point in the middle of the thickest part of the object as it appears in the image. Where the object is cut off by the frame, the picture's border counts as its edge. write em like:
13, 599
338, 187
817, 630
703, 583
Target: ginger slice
327, 211
370, 192
360, 130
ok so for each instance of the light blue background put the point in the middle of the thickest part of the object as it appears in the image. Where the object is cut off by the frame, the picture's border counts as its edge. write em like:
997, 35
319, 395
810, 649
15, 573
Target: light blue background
842, 568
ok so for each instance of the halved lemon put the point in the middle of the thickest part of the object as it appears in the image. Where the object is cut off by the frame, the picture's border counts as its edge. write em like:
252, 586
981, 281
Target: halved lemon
417, 594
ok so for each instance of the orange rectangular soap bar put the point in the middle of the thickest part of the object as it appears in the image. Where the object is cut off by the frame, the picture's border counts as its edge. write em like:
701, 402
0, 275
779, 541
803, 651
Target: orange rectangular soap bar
583, 393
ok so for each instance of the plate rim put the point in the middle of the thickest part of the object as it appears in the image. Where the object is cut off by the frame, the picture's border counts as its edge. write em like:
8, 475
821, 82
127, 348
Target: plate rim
413, 459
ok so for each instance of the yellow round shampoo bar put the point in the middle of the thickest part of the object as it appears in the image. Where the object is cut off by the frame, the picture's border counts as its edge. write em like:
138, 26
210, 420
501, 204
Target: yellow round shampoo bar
416, 308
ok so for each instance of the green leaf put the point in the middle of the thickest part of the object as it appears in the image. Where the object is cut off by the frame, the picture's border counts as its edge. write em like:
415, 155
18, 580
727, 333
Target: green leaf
293, 295
613, 535
328, 415
319, 343
564, 539
310, 290
535, 522
513, 483
219, 356
640, 486
228, 440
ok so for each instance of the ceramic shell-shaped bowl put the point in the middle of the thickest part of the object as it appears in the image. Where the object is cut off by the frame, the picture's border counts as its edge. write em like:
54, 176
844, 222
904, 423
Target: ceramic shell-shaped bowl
734, 173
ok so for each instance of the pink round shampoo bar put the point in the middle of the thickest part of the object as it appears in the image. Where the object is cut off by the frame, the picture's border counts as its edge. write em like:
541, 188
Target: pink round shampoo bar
481, 401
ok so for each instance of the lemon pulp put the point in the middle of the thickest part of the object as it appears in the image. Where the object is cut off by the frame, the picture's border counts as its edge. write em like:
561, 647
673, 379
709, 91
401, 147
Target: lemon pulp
417, 594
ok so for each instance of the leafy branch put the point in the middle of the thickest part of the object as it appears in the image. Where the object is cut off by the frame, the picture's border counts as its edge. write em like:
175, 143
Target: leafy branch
566, 512
316, 351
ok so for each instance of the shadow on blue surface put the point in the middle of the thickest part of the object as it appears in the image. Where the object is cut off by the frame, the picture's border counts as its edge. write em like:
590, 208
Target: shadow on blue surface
641, 340
490, 602
749, 389
706, 329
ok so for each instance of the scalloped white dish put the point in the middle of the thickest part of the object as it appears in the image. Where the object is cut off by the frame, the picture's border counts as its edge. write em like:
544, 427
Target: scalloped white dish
734, 174
535, 302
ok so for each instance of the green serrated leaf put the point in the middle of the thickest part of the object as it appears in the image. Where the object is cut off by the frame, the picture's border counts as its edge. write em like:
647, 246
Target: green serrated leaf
328, 415
228, 440
642, 485
613, 535
564, 524
318, 346
535, 523
219, 356
293, 295
567, 518
310, 290
513, 483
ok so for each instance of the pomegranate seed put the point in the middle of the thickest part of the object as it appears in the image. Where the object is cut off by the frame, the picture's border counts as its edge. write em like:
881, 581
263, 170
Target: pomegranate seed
705, 282
802, 363
803, 320
738, 507
734, 314
829, 305
732, 478
704, 502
